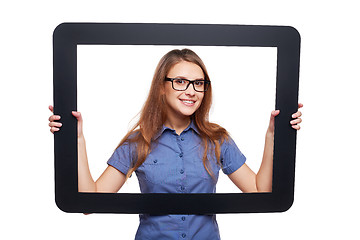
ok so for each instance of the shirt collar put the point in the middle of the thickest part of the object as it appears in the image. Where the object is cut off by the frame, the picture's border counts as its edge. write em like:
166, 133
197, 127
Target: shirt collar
191, 126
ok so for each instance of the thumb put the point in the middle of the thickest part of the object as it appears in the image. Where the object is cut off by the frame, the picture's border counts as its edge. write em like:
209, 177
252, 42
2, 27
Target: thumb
79, 119
77, 115
272, 120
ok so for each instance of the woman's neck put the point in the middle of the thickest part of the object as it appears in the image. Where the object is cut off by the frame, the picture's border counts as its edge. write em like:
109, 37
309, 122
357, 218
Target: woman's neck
178, 124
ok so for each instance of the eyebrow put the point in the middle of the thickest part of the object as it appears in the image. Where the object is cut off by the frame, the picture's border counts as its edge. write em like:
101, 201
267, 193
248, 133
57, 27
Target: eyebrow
181, 77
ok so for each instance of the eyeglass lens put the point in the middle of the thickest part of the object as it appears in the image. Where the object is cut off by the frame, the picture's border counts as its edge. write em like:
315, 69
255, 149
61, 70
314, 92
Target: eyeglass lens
182, 84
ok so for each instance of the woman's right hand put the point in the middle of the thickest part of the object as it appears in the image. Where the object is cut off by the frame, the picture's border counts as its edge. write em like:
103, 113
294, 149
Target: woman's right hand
55, 126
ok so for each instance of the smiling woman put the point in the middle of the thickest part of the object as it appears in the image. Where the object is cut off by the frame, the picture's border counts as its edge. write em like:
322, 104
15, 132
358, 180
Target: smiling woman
173, 148
176, 109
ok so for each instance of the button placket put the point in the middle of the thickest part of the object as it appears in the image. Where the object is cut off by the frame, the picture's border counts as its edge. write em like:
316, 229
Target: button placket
181, 170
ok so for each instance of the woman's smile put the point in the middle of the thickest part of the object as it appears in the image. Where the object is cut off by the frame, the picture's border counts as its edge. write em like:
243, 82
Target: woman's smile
188, 102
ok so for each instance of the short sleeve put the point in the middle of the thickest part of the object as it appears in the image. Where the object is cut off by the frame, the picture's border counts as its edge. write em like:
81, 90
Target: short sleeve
231, 157
121, 159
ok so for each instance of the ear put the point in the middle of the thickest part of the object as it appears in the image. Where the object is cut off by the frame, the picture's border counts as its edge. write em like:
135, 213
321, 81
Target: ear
162, 89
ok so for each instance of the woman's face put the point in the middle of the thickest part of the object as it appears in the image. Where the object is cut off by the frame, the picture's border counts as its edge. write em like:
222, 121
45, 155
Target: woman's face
183, 104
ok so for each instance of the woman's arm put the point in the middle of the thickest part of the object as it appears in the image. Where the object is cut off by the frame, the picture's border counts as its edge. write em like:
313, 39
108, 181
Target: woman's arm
111, 179
245, 179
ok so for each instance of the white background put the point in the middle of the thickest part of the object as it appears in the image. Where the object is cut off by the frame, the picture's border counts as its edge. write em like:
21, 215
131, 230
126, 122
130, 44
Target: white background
326, 186
116, 80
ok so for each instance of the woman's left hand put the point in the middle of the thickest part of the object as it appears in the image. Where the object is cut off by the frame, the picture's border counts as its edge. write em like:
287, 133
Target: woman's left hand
294, 123
297, 120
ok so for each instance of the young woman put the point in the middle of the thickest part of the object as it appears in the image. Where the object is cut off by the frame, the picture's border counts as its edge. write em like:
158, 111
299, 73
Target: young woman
174, 148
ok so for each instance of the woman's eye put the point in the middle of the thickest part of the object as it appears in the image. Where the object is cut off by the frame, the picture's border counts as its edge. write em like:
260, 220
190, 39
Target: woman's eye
199, 83
179, 81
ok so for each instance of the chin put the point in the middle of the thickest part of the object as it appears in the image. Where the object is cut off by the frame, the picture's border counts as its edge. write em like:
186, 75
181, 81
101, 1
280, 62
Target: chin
187, 112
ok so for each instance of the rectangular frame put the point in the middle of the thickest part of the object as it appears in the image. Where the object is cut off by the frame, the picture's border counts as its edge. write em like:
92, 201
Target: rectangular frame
67, 36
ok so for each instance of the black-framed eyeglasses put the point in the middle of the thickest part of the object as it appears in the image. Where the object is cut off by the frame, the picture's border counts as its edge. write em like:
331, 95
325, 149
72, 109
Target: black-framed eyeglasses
181, 84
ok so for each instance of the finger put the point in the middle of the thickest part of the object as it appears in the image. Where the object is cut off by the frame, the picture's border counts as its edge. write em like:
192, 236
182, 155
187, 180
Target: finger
296, 115
275, 113
296, 121
54, 129
51, 108
54, 118
77, 115
55, 124
297, 127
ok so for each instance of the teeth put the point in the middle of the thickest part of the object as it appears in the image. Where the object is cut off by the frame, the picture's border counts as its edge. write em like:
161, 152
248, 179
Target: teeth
185, 101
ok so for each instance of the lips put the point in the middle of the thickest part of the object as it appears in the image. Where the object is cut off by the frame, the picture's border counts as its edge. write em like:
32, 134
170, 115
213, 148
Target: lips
188, 102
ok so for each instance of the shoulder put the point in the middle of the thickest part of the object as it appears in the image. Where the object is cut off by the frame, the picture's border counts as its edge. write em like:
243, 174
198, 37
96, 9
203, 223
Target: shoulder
227, 142
231, 157
129, 142
214, 132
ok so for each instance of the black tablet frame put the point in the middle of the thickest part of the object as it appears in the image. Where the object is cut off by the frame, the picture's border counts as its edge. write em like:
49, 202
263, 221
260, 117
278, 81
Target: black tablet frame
67, 36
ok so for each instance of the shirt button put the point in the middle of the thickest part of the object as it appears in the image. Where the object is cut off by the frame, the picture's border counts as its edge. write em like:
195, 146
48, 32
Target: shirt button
181, 155
181, 171
182, 188
155, 161
183, 218
183, 235
182, 138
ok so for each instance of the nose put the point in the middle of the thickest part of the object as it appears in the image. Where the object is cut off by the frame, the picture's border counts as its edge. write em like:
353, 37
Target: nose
190, 90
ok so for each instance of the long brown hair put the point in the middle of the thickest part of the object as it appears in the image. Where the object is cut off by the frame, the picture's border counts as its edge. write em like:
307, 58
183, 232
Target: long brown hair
153, 114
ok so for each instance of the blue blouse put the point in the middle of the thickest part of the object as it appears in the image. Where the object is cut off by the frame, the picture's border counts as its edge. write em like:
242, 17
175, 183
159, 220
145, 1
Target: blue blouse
175, 166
